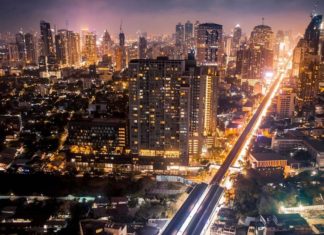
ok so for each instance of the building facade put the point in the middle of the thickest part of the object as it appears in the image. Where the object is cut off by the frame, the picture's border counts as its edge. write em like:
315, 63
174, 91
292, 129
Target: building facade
158, 108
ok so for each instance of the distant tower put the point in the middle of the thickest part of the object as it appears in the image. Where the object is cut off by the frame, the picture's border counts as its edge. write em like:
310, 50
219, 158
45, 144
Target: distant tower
89, 48
121, 36
237, 35
262, 35
142, 48
30, 48
21, 44
47, 39
106, 43
179, 40
120, 52
188, 31
61, 44
209, 40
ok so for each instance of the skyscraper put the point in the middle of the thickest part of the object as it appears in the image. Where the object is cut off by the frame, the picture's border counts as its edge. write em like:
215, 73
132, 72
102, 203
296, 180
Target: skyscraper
121, 38
237, 35
255, 58
203, 84
46, 39
13, 54
253, 61
262, 35
89, 48
120, 52
74, 48
31, 53
142, 48
61, 43
179, 41
188, 31
119, 58
209, 44
308, 62
21, 44
106, 44
312, 35
158, 108
209, 78
196, 25
286, 103
179, 34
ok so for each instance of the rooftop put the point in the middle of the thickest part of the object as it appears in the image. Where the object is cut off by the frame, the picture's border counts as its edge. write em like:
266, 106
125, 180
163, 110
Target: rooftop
267, 156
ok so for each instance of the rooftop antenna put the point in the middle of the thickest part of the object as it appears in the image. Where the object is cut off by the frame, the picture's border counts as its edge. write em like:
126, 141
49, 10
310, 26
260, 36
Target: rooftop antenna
262, 20
315, 9
121, 25
67, 24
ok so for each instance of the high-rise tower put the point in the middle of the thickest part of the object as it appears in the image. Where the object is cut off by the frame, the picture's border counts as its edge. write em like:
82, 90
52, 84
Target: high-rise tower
47, 39
209, 44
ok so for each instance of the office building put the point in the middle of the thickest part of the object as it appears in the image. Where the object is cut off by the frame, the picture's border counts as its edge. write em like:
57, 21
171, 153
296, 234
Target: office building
74, 48
262, 35
61, 43
21, 44
286, 103
308, 62
121, 38
188, 31
13, 54
120, 52
106, 44
89, 48
142, 48
236, 40
119, 60
31, 50
255, 58
253, 61
47, 40
180, 41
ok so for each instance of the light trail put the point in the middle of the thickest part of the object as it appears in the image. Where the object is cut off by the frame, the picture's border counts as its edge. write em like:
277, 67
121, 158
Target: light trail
244, 149
193, 212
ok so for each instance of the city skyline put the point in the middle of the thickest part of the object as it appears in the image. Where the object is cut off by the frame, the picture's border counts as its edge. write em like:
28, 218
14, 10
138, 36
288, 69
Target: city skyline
101, 15
170, 117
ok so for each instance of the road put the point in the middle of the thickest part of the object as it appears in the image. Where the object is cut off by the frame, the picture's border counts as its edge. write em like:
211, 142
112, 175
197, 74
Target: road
234, 153
203, 216
183, 213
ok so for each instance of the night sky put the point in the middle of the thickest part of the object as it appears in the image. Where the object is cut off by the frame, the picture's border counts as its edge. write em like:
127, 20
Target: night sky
153, 16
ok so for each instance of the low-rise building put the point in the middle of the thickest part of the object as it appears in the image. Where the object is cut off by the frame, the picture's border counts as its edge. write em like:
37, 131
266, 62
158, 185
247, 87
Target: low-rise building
316, 149
267, 159
293, 140
90, 227
287, 141
285, 224
104, 135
